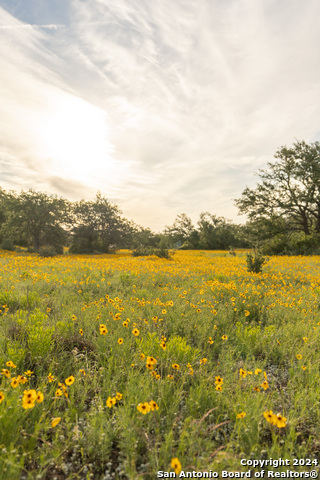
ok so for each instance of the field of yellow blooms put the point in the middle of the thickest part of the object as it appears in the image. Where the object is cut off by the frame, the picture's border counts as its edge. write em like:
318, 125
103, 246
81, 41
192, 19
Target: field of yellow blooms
118, 367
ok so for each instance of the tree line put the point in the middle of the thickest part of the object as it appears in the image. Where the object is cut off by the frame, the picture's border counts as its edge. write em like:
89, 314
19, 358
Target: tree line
283, 213
46, 223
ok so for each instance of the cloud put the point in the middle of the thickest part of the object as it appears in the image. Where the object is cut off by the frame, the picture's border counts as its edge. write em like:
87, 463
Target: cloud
193, 97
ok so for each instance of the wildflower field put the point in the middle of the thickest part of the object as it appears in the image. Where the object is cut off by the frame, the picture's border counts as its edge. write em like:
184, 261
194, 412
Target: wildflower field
116, 366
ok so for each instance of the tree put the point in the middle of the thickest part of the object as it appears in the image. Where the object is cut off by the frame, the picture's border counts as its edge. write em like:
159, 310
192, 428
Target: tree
97, 226
216, 233
183, 233
288, 197
35, 219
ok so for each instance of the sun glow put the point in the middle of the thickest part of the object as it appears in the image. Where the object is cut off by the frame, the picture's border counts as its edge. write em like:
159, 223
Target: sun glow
73, 139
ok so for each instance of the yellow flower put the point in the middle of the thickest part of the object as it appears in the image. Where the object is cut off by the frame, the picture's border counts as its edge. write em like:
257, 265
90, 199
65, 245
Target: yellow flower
280, 421
265, 385
29, 398
163, 345
55, 422
176, 465
305, 339
119, 396
59, 393
219, 387
82, 371
14, 382
152, 360
39, 397
224, 337
210, 341
11, 364
241, 415
242, 373
176, 366
303, 367
153, 405
22, 379
203, 361
1, 397
103, 329
28, 373
6, 372
135, 332
299, 356
110, 402
81, 331
257, 371
219, 380
270, 417
120, 341
144, 407
70, 380
256, 389
51, 377
142, 356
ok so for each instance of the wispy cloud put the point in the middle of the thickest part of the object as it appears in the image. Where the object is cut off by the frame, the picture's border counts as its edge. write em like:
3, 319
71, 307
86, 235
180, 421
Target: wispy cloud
30, 26
196, 96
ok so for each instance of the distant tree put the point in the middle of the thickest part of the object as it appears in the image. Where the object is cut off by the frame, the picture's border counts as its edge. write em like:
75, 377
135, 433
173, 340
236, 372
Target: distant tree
183, 233
142, 237
216, 233
35, 219
288, 196
97, 226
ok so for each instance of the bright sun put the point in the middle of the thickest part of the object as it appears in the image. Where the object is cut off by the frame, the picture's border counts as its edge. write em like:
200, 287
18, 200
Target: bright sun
73, 139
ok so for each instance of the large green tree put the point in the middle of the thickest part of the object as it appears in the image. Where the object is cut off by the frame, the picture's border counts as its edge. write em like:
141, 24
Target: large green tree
216, 233
97, 226
288, 196
35, 219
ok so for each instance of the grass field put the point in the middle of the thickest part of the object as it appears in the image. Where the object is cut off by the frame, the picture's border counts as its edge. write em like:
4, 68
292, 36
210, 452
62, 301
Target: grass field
120, 367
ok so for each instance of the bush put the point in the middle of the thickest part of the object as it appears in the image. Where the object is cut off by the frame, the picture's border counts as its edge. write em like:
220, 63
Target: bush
48, 252
255, 262
296, 244
142, 251
162, 250
7, 244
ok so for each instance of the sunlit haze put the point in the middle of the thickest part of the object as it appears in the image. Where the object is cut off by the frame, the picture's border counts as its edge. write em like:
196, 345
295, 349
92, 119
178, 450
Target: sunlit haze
163, 106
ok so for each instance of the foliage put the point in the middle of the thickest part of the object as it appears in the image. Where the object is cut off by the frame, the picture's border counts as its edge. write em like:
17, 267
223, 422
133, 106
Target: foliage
183, 233
212, 232
296, 243
7, 244
288, 196
35, 219
255, 262
97, 226
142, 251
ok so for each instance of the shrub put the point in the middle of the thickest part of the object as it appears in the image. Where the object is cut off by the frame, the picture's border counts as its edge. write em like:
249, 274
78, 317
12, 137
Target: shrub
142, 251
48, 252
7, 244
255, 262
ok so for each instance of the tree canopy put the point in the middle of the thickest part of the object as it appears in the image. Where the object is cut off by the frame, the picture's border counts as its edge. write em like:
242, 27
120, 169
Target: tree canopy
287, 199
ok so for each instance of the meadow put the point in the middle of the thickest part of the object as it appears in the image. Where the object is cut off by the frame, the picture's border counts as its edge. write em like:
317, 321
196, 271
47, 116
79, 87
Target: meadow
117, 367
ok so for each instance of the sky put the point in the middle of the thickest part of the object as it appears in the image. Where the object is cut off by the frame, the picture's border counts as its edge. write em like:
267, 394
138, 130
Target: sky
164, 106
